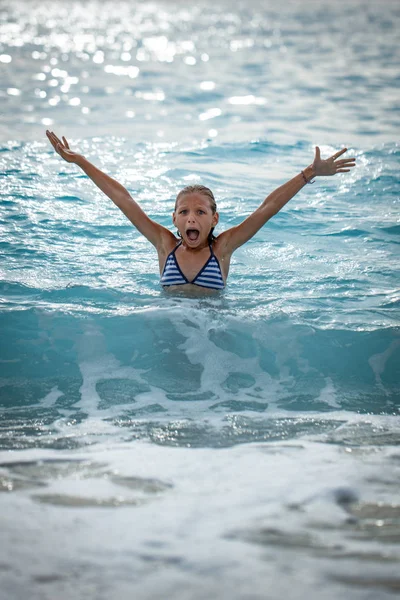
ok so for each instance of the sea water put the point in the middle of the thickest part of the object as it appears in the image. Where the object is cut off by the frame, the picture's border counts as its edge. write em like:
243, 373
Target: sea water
244, 446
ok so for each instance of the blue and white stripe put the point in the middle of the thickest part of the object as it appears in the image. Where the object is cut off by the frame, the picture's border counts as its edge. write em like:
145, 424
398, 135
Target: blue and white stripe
172, 275
209, 276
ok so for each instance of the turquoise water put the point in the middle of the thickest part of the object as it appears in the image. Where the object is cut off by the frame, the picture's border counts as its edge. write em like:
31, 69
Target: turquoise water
157, 446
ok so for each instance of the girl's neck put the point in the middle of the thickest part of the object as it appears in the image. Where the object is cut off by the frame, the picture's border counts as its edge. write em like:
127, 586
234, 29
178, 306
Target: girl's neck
197, 249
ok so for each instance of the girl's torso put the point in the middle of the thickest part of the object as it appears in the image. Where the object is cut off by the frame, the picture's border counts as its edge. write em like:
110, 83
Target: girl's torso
185, 270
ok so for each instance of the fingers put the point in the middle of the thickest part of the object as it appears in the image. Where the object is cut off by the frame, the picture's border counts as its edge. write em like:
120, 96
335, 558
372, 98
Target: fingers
56, 143
345, 163
335, 156
65, 142
54, 139
51, 139
344, 166
317, 153
48, 133
57, 139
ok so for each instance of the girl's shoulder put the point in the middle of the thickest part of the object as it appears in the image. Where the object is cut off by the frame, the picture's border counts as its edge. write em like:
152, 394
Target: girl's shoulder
168, 243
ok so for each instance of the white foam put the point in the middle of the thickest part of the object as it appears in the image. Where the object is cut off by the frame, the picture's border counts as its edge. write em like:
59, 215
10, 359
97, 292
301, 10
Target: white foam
200, 529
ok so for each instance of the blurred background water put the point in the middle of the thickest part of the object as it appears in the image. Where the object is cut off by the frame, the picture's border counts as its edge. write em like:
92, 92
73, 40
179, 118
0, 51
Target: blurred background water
244, 446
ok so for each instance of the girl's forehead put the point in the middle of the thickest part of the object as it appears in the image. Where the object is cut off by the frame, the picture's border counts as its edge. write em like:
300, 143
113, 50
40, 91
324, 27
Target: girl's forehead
194, 198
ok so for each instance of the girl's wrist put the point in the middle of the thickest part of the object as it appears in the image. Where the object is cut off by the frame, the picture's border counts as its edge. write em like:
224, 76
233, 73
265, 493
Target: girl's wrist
80, 160
308, 174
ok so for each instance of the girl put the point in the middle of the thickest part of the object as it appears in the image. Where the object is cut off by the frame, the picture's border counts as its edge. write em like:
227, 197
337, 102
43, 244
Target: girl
198, 258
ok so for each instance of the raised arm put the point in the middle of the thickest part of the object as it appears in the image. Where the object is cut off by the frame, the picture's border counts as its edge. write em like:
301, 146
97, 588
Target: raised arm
231, 239
154, 232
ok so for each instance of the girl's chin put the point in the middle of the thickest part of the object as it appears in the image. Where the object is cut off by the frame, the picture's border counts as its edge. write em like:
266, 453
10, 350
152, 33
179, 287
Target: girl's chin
193, 243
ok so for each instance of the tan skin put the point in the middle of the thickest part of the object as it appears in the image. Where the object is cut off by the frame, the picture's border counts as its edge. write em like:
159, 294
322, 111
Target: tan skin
194, 212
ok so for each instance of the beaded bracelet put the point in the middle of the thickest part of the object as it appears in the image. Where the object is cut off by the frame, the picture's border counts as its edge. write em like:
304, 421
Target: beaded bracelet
305, 178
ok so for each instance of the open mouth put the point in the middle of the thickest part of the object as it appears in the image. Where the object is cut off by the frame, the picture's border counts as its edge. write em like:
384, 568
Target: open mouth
192, 234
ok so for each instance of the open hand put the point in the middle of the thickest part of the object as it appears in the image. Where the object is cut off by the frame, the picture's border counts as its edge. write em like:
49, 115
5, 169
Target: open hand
331, 165
62, 147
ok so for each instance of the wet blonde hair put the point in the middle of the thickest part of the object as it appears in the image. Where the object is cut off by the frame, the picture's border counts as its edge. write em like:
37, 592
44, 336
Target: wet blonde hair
204, 191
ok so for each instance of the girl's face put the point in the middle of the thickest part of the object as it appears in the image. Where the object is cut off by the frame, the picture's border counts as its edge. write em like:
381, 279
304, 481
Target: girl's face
194, 219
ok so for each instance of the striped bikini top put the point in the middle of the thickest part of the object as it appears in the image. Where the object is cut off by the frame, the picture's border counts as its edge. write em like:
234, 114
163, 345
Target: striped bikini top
209, 276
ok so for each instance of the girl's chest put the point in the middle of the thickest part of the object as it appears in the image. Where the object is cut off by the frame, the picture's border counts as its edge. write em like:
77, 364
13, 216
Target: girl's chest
191, 264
